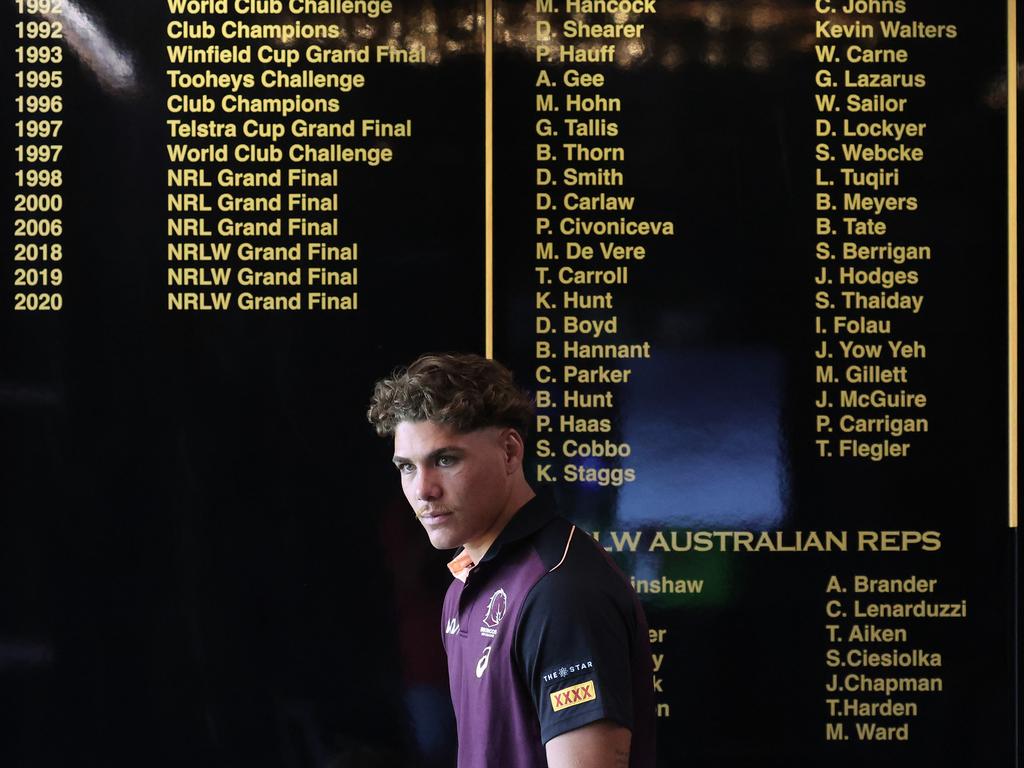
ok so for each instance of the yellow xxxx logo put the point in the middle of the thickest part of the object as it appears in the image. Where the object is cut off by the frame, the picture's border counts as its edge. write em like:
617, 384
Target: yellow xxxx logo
573, 695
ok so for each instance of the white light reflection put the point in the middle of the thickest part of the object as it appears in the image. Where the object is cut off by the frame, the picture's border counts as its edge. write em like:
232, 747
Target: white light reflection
113, 67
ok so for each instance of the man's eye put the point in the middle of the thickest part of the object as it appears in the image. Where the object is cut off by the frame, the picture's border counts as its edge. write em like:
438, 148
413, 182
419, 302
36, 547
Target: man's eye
446, 461
405, 468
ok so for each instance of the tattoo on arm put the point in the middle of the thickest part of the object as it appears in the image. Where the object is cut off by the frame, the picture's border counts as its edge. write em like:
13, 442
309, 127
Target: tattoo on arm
621, 758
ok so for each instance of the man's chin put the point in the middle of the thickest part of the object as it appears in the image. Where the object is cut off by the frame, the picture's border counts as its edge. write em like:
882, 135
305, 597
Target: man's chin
444, 539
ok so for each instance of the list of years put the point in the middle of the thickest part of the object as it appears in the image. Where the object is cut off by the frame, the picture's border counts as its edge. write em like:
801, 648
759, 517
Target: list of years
261, 133
870, 277
38, 175
592, 238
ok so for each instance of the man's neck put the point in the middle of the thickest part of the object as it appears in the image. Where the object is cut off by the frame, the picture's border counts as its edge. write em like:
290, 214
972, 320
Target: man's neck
521, 493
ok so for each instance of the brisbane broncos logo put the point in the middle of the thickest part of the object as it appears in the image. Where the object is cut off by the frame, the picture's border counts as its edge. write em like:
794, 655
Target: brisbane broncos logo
496, 608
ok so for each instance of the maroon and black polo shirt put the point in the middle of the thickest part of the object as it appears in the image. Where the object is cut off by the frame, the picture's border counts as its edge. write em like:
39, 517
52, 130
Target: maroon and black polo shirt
543, 636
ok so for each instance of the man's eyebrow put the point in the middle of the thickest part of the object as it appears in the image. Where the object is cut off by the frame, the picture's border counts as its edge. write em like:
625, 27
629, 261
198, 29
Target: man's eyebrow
430, 456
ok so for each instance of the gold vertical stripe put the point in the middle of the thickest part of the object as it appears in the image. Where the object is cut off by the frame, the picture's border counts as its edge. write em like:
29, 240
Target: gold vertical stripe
489, 178
1011, 156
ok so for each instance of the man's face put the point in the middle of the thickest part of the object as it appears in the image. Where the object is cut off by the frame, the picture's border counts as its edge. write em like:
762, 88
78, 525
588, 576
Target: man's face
457, 484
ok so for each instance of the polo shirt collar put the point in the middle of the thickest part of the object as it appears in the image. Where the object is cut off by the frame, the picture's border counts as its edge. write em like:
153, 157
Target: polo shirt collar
530, 518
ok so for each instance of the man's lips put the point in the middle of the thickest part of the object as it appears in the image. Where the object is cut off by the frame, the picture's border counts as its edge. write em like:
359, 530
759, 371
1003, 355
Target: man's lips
433, 515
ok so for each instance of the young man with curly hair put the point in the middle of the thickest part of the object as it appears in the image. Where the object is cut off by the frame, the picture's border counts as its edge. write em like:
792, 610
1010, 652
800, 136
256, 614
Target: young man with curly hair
548, 655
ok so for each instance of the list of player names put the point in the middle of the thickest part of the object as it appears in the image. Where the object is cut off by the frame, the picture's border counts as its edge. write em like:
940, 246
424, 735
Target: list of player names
871, 273
592, 238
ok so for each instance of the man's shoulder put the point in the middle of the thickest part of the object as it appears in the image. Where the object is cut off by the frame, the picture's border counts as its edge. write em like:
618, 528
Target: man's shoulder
579, 639
578, 570
550, 541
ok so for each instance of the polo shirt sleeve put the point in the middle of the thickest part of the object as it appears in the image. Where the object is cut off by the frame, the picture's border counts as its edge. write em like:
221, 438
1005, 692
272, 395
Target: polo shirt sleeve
573, 651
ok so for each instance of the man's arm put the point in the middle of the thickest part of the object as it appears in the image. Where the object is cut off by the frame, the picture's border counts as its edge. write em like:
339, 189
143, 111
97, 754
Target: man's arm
578, 651
602, 744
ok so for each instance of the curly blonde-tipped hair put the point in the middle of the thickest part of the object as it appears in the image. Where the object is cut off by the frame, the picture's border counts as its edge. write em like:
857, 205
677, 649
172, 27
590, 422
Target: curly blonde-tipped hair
465, 392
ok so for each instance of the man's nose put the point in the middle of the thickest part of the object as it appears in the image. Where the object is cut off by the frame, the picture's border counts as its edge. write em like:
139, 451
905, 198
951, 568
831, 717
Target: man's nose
426, 486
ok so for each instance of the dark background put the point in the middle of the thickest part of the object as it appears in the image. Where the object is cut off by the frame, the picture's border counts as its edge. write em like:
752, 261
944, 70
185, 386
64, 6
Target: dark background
206, 561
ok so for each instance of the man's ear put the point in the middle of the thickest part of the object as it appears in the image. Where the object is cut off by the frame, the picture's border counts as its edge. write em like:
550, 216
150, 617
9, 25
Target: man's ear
512, 445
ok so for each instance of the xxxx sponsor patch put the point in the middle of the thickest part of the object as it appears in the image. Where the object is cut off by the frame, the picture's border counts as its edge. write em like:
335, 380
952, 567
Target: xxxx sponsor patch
573, 695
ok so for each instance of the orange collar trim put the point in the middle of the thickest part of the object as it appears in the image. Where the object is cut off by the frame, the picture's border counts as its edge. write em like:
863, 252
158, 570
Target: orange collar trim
461, 565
